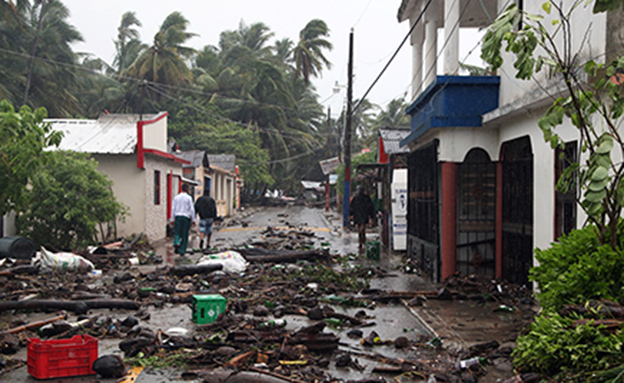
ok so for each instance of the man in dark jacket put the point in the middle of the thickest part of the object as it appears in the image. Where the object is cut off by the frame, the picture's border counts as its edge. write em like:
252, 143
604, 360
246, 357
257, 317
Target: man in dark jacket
206, 207
362, 210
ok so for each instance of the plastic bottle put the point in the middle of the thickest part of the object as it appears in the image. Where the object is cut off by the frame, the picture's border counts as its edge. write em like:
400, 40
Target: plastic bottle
274, 323
467, 363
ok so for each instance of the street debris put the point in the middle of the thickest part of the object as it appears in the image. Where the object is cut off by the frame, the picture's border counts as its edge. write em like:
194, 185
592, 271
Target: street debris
286, 305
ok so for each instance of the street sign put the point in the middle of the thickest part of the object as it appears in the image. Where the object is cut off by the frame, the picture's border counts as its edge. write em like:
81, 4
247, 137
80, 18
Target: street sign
329, 165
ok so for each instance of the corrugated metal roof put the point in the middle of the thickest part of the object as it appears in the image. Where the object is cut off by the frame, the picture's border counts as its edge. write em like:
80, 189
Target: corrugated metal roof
392, 138
114, 133
195, 157
224, 161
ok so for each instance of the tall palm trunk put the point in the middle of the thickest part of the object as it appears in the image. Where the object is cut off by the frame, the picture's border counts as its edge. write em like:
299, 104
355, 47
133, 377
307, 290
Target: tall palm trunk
31, 63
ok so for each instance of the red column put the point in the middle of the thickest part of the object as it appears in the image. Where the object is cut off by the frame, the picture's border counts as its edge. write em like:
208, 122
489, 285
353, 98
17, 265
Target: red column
169, 194
499, 219
449, 219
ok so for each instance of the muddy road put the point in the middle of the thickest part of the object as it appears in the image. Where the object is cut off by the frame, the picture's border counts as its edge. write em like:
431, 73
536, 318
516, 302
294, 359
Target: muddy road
374, 318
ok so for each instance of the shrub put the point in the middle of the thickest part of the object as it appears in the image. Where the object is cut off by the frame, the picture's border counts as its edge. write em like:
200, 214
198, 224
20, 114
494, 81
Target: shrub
577, 269
555, 346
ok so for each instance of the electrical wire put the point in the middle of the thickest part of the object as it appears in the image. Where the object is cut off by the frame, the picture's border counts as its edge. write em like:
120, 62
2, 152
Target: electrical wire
393, 56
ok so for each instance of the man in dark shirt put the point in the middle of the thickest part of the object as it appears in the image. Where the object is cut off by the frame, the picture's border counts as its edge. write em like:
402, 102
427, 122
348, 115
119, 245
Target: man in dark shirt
206, 207
362, 210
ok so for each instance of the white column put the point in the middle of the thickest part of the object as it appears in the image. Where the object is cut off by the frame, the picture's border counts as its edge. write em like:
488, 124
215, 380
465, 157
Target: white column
417, 40
431, 62
451, 36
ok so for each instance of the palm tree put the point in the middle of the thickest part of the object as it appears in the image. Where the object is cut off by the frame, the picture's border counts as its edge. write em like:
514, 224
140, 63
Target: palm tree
394, 115
309, 57
43, 64
127, 45
164, 62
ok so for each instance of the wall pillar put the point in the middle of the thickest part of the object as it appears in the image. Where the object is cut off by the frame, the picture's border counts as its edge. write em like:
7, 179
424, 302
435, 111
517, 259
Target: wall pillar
431, 51
417, 40
451, 35
448, 243
499, 219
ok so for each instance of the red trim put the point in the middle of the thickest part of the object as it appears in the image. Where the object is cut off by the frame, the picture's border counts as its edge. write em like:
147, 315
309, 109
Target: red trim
169, 156
449, 219
140, 149
499, 218
169, 194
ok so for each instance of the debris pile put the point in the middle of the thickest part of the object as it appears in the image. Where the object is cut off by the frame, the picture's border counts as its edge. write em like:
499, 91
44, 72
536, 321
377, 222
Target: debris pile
287, 315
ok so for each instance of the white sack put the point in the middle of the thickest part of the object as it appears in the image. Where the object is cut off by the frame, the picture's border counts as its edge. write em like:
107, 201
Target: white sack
232, 261
62, 261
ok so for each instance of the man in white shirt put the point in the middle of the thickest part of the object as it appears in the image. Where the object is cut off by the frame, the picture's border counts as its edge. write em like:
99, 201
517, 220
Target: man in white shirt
182, 216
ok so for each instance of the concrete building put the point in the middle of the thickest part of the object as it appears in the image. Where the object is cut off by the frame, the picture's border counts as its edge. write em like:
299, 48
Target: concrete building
132, 152
221, 178
481, 179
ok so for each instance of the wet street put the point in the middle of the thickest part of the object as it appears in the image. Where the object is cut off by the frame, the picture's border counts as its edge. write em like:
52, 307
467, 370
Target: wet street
441, 320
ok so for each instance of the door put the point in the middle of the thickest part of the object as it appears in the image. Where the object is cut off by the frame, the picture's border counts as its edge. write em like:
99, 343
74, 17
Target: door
517, 225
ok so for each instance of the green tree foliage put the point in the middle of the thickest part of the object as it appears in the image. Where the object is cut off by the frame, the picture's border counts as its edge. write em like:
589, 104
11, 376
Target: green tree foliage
69, 199
37, 61
164, 62
308, 53
23, 137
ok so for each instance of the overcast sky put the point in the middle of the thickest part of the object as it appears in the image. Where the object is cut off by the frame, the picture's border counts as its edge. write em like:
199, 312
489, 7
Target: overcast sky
377, 34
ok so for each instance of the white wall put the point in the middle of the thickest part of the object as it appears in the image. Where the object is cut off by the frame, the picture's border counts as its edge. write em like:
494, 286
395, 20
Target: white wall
155, 135
156, 215
128, 186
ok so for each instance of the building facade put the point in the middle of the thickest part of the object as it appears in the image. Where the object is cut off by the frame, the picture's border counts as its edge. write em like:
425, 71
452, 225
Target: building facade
481, 179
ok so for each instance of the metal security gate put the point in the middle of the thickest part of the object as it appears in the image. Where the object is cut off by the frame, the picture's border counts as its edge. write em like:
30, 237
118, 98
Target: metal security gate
423, 243
517, 211
476, 212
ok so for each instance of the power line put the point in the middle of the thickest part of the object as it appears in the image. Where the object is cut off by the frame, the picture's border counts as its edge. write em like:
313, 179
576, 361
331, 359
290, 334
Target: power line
393, 56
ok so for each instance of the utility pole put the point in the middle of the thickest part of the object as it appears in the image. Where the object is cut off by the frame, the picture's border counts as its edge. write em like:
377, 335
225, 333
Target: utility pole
347, 148
327, 151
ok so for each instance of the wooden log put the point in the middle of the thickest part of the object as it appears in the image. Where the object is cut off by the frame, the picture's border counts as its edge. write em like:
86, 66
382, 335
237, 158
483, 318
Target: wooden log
34, 325
286, 257
79, 307
181, 271
222, 375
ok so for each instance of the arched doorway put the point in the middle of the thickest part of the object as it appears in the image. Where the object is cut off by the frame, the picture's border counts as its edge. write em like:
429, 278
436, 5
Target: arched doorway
517, 210
476, 213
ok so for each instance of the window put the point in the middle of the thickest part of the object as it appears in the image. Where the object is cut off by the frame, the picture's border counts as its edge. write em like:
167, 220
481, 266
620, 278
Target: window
565, 208
156, 187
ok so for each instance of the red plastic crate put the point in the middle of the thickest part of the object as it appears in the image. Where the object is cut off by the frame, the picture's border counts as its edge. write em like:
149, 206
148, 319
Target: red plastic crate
63, 357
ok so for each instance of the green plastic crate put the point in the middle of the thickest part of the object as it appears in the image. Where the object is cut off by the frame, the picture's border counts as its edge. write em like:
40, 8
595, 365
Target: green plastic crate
372, 250
206, 308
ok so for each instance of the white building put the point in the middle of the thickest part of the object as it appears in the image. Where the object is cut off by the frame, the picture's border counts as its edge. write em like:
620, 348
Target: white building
481, 178
132, 152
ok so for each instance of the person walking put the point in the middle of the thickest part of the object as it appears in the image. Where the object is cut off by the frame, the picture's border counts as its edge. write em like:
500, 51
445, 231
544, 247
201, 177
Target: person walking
206, 208
182, 217
362, 210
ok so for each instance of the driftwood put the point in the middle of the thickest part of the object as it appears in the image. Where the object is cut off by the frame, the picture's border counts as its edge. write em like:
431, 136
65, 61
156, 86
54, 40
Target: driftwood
287, 256
181, 271
18, 270
34, 325
603, 308
319, 342
386, 296
79, 307
221, 375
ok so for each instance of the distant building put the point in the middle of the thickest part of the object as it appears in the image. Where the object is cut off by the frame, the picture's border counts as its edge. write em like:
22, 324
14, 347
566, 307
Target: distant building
132, 152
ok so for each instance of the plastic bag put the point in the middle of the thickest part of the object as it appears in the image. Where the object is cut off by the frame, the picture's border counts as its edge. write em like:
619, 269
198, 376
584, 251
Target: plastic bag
49, 261
232, 261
